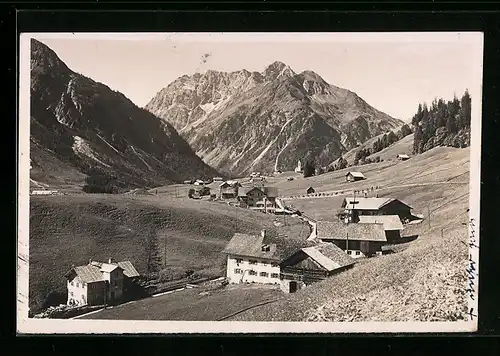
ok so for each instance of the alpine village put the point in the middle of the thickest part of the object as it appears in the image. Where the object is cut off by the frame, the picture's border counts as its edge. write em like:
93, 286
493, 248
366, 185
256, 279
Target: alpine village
243, 195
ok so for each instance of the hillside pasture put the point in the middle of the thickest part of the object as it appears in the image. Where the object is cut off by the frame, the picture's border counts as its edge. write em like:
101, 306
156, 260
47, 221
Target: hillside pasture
425, 281
187, 235
192, 304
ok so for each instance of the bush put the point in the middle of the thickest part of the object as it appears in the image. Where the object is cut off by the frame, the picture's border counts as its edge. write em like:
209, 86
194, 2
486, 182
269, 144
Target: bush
54, 299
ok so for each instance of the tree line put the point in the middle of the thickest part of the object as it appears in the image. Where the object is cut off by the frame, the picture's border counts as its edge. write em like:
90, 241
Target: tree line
444, 123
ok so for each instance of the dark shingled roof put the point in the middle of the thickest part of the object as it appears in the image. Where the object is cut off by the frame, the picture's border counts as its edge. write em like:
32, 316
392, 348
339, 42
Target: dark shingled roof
340, 231
362, 203
251, 246
93, 271
335, 253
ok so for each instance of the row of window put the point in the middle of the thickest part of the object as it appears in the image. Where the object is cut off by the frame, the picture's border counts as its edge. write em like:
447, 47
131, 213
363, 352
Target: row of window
350, 252
78, 284
254, 273
254, 262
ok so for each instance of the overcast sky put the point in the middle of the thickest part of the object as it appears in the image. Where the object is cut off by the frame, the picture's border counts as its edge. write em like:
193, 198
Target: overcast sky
393, 72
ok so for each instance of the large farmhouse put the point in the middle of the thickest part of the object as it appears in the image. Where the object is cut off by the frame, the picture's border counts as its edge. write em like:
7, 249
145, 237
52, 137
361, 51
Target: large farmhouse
258, 197
357, 240
288, 262
229, 189
99, 283
356, 206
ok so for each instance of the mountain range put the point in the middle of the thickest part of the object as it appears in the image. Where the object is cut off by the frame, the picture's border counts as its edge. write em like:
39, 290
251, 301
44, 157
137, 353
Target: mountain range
243, 121
83, 126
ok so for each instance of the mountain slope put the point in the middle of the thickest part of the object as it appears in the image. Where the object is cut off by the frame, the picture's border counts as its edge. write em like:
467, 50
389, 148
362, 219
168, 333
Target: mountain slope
243, 121
90, 127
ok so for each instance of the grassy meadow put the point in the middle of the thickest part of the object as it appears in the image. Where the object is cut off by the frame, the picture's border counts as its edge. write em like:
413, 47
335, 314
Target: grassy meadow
187, 235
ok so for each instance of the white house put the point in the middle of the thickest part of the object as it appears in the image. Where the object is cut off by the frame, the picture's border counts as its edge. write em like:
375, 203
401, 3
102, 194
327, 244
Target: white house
99, 283
249, 259
403, 157
293, 264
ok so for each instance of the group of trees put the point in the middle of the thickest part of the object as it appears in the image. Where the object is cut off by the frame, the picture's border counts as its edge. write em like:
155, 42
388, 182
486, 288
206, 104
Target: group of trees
98, 181
443, 124
309, 168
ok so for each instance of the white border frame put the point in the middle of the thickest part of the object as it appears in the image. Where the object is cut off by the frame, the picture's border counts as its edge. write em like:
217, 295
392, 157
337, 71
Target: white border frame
26, 325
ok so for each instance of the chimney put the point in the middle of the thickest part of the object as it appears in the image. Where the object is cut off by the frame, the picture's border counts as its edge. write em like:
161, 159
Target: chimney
263, 233
90, 261
110, 260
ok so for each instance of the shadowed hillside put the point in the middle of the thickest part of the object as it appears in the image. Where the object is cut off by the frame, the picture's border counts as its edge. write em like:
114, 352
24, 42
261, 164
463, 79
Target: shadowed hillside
80, 127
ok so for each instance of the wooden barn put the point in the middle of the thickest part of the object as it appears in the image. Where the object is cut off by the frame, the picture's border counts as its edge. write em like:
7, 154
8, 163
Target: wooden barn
357, 240
392, 225
354, 176
357, 206
312, 264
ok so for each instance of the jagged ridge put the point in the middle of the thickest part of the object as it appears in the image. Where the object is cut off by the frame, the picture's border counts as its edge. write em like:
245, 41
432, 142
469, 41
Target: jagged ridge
243, 121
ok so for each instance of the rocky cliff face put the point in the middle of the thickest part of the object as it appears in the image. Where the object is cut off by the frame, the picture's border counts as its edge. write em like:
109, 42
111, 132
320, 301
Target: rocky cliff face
87, 126
244, 121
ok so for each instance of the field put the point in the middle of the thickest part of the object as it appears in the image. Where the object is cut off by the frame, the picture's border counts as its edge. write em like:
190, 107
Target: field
192, 304
426, 281
188, 235
439, 165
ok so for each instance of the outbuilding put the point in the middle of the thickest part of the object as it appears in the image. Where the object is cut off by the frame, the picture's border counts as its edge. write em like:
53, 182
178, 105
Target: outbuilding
354, 176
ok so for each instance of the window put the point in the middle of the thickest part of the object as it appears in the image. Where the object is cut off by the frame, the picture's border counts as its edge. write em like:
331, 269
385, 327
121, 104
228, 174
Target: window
275, 275
252, 273
253, 262
239, 260
357, 253
264, 274
70, 294
84, 284
274, 264
349, 252
237, 271
77, 285
72, 283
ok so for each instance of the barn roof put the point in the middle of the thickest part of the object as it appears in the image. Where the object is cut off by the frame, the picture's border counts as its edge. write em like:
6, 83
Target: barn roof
356, 174
329, 256
128, 269
340, 231
390, 222
368, 203
402, 155
92, 272
251, 246
230, 183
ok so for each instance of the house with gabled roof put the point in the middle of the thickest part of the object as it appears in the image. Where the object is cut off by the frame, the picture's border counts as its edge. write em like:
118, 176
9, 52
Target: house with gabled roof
229, 189
356, 206
392, 225
291, 263
255, 258
99, 283
354, 176
263, 198
357, 240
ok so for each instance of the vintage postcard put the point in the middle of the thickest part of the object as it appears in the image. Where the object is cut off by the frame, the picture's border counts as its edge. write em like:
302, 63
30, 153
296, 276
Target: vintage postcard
249, 182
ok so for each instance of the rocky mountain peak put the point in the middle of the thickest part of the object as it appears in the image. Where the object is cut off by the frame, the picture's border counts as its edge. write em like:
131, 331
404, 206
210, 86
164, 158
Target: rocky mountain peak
278, 70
